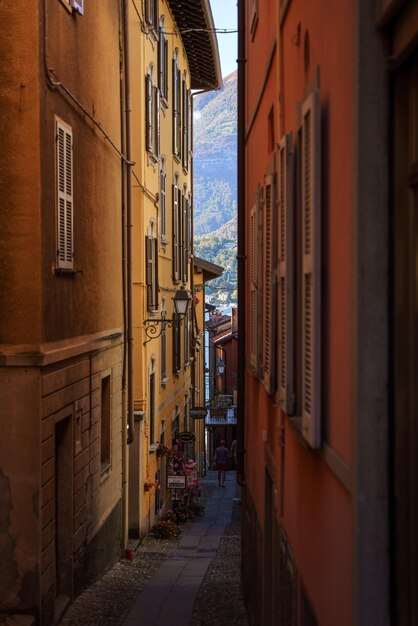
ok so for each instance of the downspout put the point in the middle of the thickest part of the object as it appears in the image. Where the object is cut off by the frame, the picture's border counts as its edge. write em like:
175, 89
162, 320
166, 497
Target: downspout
125, 490
241, 247
128, 170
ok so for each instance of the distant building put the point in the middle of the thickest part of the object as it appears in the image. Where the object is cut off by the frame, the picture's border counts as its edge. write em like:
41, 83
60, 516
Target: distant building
327, 210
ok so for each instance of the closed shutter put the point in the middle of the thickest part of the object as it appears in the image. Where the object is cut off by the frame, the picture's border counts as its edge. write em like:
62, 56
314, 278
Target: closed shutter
149, 113
268, 351
176, 344
176, 111
185, 125
185, 255
260, 281
253, 286
165, 68
311, 268
64, 177
161, 63
176, 234
157, 122
285, 290
162, 203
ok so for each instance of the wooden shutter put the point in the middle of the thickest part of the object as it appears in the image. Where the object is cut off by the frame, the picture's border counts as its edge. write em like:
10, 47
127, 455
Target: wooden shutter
185, 125
311, 271
260, 281
176, 344
176, 234
253, 286
162, 203
157, 122
161, 62
149, 113
176, 112
64, 178
285, 292
268, 340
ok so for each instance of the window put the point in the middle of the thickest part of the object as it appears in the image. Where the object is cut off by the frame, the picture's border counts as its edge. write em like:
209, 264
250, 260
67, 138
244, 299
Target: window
151, 404
163, 62
163, 226
311, 271
152, 116
151, 268
151, 13
176, 108
105, 423
176, 229
64, 186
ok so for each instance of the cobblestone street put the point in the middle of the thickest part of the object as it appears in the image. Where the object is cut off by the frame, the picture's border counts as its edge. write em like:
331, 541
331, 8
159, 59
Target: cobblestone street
115, 600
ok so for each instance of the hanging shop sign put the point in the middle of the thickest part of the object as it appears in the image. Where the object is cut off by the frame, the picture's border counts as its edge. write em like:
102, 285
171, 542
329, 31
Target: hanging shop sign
198, 412
186, 436
176, 482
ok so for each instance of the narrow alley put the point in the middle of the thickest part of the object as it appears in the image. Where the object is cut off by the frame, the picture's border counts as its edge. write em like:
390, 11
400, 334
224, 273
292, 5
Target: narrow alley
193, 579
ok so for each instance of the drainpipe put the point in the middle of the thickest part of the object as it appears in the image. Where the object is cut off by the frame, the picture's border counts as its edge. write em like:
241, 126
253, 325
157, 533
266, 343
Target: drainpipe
128, 170
241, 247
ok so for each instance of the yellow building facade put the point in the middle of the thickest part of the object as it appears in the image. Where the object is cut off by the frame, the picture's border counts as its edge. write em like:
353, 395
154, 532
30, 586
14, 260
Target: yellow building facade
166, 66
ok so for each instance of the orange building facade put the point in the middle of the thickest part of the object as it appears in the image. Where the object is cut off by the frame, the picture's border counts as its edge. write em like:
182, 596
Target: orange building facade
325, 525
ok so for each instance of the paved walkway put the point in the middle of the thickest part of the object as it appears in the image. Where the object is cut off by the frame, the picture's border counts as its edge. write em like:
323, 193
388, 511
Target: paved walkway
193, 580
168, 598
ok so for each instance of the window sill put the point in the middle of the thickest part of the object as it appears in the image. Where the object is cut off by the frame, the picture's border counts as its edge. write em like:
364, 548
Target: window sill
105, 472
65, 271
152, 447
164, 381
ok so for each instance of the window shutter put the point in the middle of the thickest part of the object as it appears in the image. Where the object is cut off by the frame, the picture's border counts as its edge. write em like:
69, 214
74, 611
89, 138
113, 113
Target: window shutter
149, 274
64, 175
165, 68
253, 286
176, 344
78, 5
176, 269
161, 60
311, 268
185, 125
175, 108
162, 203
149, 113
268, 342
157, 122
285, 291
260, 281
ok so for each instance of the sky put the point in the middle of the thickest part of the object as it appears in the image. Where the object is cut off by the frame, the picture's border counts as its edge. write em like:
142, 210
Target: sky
225, 16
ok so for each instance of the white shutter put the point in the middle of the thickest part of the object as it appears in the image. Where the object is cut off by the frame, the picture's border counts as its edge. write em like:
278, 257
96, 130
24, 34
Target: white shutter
285, 292
311, 271
64, 181
268, 355
78, 5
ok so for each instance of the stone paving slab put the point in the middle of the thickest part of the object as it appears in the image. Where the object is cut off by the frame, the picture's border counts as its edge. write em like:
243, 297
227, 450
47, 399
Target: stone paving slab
196, 576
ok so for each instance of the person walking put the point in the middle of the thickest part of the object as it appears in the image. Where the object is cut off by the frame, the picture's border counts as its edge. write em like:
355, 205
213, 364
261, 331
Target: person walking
221, 462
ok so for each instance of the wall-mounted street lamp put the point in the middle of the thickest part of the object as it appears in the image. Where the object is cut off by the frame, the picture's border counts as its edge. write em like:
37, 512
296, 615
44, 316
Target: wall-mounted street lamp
154, 326
220, 366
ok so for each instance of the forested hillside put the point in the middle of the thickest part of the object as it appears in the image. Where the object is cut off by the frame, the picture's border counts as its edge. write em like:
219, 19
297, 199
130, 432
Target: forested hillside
215, 184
